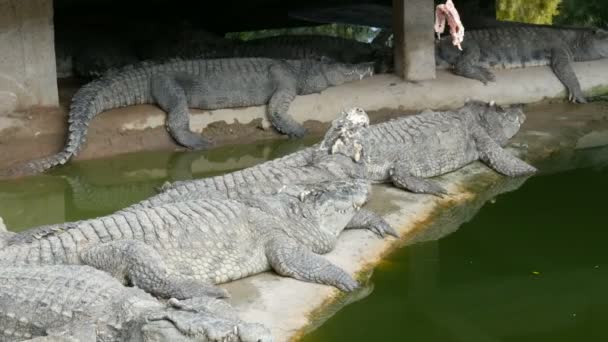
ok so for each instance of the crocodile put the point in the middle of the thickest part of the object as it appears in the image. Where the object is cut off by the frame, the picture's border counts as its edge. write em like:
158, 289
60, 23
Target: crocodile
76, 56
404, 151
310, 46
183, 249
199, 83
523, 46
94, 61
80, 303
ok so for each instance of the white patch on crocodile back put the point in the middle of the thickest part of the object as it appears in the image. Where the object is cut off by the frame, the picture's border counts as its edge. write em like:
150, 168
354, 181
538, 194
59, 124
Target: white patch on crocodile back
357, 115
340, 147
337, 146
358, 149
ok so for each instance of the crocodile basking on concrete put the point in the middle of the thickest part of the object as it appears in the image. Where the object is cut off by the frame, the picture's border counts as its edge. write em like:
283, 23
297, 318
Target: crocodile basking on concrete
316, 46
403, 151
79, 303
95, 60
207, 84
179, 249
522, 46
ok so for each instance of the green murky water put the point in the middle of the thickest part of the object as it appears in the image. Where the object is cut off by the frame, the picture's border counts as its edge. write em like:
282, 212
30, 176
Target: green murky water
87, 189
533, 266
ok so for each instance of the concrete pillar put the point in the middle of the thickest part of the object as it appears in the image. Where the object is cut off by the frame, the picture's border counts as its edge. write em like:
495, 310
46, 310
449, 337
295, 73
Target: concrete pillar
27, 58
414, 39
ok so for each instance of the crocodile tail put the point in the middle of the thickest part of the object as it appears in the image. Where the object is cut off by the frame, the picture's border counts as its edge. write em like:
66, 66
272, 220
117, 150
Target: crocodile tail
93, 98
86, 103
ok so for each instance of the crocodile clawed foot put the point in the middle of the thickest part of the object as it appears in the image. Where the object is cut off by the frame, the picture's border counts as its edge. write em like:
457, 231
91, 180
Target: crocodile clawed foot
486, 76
347, 284
576, 98
193, 141
296, 132
383, 229
436, 190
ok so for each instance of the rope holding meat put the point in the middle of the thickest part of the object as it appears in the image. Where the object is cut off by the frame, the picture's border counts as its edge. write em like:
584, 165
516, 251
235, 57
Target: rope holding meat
448, 12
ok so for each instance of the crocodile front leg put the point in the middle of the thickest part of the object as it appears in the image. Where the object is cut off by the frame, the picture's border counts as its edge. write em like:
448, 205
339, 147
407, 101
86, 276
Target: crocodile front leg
562, 67
288, 258
365, 219
466, 65
143, 266
170, 96
278, 106
498, 158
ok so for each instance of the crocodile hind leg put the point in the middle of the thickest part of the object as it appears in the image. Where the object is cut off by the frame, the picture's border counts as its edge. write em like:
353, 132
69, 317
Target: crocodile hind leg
560, 63
142, 266
170, 96
365, 219
288, 258
279, 103
466, 66
498, 158
402, 179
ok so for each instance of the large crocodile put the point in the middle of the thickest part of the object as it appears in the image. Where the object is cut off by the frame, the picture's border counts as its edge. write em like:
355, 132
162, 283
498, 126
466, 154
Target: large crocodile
199, 83
311, 46
403, 151
178, 249
522, 46
95, 60
79, 303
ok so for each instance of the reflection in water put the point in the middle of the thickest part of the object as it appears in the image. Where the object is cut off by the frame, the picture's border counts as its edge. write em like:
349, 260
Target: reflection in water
98, 187
530, 267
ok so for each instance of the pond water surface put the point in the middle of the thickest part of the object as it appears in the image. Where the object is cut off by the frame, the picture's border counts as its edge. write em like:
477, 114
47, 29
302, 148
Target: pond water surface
533, 266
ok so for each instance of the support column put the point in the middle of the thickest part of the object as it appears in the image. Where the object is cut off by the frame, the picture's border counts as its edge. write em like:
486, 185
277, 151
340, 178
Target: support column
414, 40
27, 62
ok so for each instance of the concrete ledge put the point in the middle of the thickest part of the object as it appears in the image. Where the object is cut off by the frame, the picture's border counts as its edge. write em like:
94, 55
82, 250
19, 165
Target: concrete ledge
390, 92
290, 307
